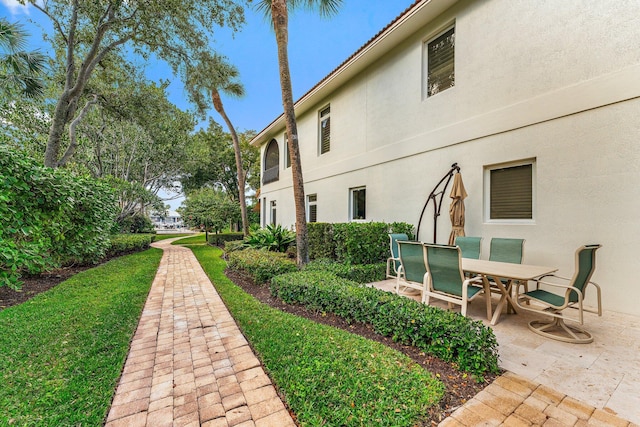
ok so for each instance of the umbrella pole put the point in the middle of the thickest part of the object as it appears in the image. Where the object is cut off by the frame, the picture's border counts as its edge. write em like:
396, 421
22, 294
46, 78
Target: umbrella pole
437, 205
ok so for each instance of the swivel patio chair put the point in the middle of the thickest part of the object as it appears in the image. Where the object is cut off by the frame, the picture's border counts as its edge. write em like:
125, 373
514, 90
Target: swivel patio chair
446, 278
412, 272
469, 246
393, 262
551, 304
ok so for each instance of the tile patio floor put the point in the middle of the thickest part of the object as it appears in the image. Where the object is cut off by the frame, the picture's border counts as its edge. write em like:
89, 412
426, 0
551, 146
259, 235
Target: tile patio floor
603, 375
189, 365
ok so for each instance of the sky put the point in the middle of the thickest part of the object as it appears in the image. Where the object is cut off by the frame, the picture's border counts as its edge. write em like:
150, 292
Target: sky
316, 47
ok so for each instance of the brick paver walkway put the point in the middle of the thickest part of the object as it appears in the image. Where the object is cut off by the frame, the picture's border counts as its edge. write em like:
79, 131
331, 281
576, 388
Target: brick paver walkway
189, 364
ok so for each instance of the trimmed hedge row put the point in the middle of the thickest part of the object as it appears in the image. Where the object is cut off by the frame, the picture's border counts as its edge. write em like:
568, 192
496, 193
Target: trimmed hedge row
220, 238
353, 242
125, 243
366, 273
467, 343
262, 265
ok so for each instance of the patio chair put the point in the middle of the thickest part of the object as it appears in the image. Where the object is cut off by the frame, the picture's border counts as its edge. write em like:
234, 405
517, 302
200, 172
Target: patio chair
469, 246
393, 262
505, 250
412, 273
446, 279
554, 305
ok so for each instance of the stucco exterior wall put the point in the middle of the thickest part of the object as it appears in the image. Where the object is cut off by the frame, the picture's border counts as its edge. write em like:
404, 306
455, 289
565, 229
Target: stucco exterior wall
558, 82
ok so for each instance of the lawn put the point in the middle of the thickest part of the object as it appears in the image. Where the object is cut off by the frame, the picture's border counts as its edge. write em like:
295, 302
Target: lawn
62, 352
327, 376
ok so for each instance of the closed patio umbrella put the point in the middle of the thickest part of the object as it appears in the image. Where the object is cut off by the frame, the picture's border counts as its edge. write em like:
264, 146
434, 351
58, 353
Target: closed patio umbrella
456, 210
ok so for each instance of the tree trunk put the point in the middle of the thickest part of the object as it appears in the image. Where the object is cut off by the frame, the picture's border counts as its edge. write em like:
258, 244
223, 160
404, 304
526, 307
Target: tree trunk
217, 103
280, 24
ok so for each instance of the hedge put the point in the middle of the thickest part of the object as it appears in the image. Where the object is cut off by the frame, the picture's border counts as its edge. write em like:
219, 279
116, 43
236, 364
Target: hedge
365, 273
262, 265
450, 336
125, 243
219, 239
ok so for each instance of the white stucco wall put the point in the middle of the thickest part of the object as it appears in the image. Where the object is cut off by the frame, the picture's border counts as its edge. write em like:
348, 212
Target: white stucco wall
555, 81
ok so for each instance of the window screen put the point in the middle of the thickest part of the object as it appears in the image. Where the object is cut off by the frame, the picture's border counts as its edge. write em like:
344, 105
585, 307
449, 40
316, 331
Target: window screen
325, 130
511, 192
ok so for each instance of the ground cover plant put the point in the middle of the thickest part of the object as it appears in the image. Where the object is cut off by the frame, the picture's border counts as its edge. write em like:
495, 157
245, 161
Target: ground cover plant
327, 376
62, 352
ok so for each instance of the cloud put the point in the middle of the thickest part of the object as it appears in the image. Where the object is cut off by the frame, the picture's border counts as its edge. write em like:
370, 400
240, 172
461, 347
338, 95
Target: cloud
15, 8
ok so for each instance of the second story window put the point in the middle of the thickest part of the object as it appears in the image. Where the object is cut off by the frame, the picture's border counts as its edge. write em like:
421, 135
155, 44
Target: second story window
271, 163
287, 159
439, 70
324, 118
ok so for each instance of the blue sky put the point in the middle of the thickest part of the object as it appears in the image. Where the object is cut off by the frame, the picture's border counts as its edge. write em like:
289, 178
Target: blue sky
316, 47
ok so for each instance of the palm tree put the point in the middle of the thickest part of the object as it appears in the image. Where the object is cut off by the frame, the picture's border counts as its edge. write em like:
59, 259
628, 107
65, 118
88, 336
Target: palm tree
213, 74
278, 10
20, 71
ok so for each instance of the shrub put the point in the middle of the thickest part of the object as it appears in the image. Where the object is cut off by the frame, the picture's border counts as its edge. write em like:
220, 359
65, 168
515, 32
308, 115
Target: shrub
219, 239
321, 243
126, 243
262, 265
233, 245
50, 217
272, 238
366, 273
135, 223
450, 336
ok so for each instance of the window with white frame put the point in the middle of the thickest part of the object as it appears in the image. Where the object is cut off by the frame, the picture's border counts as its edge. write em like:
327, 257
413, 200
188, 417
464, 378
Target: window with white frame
287, 157
272, 209
358, 203
324, 130
312, 208
439, 67
510, 191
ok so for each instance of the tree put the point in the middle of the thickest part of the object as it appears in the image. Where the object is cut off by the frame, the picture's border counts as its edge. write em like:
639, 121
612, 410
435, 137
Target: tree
20, 71
278, 11
213, 74
89, 31
209, 208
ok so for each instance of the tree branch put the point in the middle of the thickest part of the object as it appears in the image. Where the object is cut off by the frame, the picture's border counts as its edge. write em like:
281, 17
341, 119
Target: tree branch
73, 145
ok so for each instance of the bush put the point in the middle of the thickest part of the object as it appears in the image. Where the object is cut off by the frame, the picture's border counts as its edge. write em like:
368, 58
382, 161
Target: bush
135, 223
358, 273
233, 245
274, 238
219, 239
354, 242
50, 217
126, 243
450, 336
262, 265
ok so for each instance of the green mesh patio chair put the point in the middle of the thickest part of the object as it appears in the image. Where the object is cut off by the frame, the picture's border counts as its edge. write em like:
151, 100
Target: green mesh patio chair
505, 250
446, 279
469, 246
393, 262
412, 273
554, 305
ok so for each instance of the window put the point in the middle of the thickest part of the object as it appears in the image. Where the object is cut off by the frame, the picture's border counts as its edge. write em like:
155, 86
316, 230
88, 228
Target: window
358, 203
287, 157
272, 207
271, 163
325, 129
312, 208
439, 54
264, 211
509, 191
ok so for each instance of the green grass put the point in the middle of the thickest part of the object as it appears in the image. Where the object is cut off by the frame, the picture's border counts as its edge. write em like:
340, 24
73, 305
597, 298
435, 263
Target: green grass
171, 236
328, 376
193, 240
62, 352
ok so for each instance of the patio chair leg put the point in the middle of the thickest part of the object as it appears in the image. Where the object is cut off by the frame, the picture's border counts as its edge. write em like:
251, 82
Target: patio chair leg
557, 329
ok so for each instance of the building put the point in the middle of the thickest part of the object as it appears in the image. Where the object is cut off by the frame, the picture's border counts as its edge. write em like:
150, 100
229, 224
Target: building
537, 102
168, 219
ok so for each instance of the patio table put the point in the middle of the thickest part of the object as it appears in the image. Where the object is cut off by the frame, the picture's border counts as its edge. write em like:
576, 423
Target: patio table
504, 270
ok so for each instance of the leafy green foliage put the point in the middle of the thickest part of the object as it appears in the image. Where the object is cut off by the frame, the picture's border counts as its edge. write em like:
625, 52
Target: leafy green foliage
20, 71
136, 223
220, 238
260, 264
448, 335
126, 243
49, 217
272, 238
360, 273
327, 376
210, 209
62, 352
354, 242
233, 245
